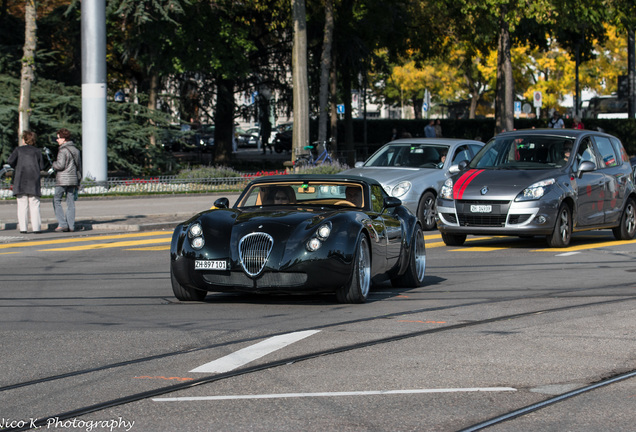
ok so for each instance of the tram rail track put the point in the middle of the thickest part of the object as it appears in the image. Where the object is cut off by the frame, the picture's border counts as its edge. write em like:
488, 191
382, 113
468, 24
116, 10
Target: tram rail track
42, 420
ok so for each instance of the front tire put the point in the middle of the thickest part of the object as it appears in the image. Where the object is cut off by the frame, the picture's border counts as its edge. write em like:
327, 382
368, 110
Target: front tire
453, 239
414, 275
627, 227
562, 233
426, 211
184, 293
357, 289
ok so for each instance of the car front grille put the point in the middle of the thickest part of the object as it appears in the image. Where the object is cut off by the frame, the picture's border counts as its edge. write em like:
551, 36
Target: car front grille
482, 221
496, 218
254, 250
237, 280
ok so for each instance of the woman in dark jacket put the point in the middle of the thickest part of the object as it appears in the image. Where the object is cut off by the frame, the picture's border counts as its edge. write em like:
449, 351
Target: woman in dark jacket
27, 162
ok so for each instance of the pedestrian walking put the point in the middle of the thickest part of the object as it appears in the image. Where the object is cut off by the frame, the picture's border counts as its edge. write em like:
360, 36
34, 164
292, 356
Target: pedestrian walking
578, 124
68, 169
438, 128
27, 163
556, 122
429, 130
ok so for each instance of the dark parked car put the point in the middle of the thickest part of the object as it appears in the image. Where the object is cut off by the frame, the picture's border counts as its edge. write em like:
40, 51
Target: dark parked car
299, 234
248, 138
549, 182
283, 138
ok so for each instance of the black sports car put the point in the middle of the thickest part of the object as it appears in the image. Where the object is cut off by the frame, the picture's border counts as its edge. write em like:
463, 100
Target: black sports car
299, 234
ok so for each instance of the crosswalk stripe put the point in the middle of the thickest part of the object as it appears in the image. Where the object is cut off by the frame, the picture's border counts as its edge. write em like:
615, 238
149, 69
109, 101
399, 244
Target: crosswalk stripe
253, 352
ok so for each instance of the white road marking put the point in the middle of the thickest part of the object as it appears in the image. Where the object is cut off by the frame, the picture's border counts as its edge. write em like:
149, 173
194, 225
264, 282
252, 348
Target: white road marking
568, 253
335, 394
254, 352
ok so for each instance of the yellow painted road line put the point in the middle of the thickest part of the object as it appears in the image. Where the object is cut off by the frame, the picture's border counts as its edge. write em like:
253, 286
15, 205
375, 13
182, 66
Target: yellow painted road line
80, 239
120, 244
151, 248
479, 249
588, 246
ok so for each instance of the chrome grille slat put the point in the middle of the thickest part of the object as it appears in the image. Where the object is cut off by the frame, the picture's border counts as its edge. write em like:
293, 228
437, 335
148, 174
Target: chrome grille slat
254, 250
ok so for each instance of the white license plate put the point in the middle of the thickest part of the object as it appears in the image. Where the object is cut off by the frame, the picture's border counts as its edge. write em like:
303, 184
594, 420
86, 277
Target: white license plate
480, 208
210, 265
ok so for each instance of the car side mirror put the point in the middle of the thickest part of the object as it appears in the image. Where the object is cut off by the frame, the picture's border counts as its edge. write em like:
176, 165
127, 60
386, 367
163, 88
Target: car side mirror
455, 168
586, 166
391, 202
222, 203
359, 164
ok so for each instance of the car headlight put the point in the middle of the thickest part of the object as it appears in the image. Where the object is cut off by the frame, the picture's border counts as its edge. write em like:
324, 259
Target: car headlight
401, 189
322, 234
323, 231
535, 191
447, 189
195, 233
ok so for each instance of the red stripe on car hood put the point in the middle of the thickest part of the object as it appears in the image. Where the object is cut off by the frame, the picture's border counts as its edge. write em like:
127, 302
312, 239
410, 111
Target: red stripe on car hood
462, 183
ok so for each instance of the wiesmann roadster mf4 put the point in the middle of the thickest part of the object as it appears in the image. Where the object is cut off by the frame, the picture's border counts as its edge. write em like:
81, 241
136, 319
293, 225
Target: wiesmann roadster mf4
541, 182
299, 234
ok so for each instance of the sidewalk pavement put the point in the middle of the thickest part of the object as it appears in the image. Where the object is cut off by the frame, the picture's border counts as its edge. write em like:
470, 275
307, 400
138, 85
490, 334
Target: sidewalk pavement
124, 214
112, 214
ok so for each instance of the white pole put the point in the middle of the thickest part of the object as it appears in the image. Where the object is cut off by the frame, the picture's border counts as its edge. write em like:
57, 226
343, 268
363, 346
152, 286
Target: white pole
94, 159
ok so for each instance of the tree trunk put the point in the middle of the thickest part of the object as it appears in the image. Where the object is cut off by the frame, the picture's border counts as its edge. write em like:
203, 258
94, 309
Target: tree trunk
504, 115
152, 101
224, 121
300, 132
325, 68
28, 66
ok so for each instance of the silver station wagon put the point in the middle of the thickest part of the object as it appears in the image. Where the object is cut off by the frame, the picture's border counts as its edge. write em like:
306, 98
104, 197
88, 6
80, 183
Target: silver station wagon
540, 182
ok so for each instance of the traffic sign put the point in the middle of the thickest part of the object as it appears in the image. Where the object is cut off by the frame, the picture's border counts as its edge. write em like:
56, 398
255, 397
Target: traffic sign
537, 99
340, 109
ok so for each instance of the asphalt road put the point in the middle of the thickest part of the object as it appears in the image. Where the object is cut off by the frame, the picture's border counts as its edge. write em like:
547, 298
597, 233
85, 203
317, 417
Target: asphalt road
501, 324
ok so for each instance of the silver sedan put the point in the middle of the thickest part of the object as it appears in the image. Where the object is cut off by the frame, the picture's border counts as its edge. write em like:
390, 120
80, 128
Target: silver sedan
414, 170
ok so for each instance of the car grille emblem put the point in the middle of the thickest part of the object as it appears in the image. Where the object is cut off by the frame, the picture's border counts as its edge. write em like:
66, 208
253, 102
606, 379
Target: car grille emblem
254, 250
484, 190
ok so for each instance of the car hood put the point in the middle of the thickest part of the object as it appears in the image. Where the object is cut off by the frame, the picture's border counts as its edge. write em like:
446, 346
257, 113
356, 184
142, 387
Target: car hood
284, 224
496, 184
392, 175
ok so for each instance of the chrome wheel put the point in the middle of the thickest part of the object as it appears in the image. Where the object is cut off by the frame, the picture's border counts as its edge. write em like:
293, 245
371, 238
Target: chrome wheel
364, 268
420, 256
358, 287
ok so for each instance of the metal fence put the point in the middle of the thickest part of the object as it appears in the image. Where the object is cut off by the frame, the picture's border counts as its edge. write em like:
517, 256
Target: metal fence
149, 185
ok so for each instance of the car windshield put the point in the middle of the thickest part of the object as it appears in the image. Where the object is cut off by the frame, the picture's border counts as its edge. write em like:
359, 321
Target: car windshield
524, 152
409, 155
312, 193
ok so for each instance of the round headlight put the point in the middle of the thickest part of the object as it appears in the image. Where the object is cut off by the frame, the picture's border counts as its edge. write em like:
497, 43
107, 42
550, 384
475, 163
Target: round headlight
401, 189
197, 242
313, 244
195, 230
324, 231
